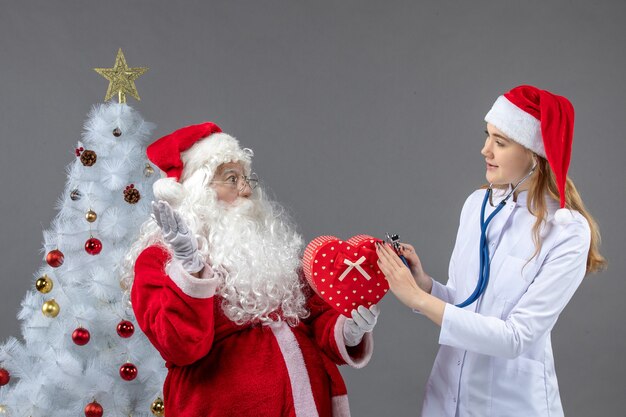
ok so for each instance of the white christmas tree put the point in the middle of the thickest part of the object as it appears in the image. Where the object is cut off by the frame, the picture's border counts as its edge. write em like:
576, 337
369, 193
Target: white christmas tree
82, 351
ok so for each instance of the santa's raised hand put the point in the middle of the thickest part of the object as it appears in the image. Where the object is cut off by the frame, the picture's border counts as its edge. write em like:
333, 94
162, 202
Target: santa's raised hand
178, 237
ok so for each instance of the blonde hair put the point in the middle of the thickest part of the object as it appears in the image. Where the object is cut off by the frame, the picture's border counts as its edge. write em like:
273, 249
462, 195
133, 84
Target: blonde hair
543, 182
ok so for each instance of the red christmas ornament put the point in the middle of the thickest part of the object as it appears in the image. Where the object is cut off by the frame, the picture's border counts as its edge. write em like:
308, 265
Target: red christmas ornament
125, 329
128, 371
94, 410
5, 377
81, 336
55, 258
93, 246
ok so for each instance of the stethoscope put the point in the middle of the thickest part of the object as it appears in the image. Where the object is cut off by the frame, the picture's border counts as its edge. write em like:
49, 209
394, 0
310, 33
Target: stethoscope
484, 270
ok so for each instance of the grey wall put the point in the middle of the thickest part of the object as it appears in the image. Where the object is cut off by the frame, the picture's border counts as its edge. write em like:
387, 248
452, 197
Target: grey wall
366, 117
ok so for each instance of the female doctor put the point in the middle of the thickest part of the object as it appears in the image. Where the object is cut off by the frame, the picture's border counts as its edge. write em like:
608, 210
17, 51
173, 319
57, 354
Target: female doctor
523, 246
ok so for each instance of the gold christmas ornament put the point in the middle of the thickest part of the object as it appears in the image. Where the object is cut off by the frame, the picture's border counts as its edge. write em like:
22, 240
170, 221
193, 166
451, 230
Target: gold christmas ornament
50, 308
121, 78
91, 216
158, 408
44, 284
148, 170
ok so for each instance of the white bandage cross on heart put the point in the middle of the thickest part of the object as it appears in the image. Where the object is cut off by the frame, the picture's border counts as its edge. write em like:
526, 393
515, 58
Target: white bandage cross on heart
354, 265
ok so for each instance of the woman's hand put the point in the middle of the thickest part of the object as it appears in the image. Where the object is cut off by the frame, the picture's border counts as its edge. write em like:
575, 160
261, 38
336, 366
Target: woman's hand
423, 280
404, 285
399, 277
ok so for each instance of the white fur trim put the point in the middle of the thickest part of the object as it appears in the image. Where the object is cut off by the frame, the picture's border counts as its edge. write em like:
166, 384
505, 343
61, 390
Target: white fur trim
167, 189
518, 125
303, 401
368, 347
203, 287
563, 216
341, 407
213, 151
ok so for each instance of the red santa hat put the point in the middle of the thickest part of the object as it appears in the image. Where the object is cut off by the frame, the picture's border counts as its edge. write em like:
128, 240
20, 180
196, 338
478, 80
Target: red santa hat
184, 151
542, 122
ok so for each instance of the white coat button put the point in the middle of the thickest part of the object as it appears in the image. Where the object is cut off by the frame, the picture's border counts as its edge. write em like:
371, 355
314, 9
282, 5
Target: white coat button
459, 363
454, 399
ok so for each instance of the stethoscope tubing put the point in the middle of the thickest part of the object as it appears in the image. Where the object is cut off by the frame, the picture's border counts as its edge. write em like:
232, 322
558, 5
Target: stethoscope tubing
484, 269
485, 263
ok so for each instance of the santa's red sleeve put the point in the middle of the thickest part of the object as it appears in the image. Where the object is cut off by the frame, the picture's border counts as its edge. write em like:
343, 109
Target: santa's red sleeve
327, 325
173, 308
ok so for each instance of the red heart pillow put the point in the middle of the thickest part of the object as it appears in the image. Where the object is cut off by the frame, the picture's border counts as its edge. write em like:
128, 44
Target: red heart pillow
345, 273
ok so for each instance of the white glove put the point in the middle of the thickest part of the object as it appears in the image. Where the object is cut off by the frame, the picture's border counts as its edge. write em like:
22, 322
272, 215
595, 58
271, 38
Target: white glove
363, 321
177, 236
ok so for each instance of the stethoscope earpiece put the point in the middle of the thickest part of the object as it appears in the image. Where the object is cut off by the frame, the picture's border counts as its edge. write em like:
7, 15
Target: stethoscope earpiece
534, 167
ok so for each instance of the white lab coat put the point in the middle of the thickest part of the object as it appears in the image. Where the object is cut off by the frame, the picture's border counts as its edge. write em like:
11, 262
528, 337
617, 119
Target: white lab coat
495, 357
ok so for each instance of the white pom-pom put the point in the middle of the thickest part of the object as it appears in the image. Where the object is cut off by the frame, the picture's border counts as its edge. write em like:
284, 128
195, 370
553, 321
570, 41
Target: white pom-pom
168, 189
563, 216
114, 223
114, 174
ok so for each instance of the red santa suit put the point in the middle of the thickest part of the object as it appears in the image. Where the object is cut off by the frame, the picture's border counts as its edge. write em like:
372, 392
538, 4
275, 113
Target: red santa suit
219, 368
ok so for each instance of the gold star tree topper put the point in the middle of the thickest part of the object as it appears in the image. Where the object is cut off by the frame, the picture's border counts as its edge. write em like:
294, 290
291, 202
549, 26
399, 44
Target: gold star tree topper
121, 78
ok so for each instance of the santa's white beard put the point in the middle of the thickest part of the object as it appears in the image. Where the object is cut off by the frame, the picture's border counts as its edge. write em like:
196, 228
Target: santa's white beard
253, 242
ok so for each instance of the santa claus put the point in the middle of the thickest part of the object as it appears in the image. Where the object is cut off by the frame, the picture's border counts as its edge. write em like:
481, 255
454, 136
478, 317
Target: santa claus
218, 289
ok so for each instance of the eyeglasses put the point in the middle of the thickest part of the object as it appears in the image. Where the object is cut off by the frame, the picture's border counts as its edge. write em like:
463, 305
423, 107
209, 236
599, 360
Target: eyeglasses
239, 183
